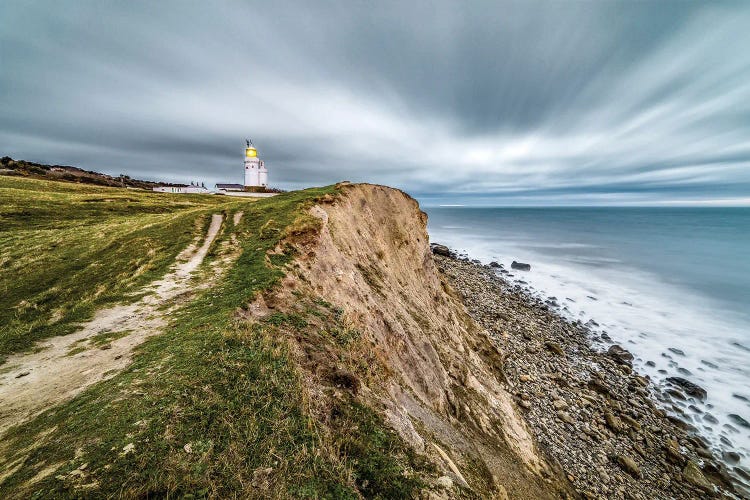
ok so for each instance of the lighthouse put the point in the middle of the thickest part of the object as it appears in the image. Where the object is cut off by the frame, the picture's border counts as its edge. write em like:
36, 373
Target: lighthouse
256, 174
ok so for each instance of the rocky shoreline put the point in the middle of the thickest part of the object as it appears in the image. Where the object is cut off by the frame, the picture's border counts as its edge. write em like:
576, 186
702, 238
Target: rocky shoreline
589, 411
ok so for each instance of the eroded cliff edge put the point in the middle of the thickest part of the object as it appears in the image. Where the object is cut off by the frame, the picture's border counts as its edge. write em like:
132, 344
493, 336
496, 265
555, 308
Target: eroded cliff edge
404, 346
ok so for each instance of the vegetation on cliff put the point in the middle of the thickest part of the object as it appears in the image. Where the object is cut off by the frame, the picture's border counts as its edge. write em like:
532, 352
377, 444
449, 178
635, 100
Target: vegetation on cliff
213, 406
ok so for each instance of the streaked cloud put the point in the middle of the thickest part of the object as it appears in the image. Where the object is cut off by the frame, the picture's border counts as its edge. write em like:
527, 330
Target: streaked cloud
478, 102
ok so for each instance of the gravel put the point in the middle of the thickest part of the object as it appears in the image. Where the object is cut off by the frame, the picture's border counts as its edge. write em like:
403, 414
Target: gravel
589, 411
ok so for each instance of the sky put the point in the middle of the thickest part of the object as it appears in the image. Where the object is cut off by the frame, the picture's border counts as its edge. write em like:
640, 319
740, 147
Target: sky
478, 103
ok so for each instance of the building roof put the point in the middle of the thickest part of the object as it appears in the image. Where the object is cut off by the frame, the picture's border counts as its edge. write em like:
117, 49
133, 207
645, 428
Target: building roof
230, 186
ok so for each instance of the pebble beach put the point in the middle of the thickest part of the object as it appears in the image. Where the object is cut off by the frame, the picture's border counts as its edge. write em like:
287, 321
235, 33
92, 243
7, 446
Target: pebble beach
601, 421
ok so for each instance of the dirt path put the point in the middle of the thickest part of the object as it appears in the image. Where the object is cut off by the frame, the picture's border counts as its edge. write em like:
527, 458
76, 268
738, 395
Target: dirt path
66, 365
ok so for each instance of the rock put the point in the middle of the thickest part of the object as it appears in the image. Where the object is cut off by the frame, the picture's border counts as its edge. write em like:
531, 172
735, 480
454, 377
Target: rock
443, 250
565, 417
598, 385
555, 348
672, 451
628, 465
444, 482
679, 352
694, 476
22, 374
739, 420
106, 347
559, 404
520, 266
524, 378
620, 356
732, 457
495, 264
613, 422
631, 422
689, 387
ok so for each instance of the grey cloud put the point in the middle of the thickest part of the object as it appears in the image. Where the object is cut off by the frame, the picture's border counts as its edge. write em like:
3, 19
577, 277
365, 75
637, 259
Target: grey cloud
517, 102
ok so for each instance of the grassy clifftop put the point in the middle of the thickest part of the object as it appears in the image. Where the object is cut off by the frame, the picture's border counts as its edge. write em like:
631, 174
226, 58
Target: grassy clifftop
214, 406
68, 249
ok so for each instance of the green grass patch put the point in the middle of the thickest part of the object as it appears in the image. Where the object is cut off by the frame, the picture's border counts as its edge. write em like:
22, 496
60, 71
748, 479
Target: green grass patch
106, 337
215, 406
67, 250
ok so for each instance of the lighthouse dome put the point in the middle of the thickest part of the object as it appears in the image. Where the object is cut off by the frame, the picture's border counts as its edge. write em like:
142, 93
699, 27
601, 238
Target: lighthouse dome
251, 152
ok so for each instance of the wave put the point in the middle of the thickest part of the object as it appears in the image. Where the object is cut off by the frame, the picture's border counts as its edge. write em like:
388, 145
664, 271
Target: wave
671, 330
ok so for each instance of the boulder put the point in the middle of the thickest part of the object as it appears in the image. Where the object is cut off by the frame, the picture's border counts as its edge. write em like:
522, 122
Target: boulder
614, 423
520, 266
495, 264
694, 476
689, 387
739, 420
620, 356
628, 465
673, 453
443, 250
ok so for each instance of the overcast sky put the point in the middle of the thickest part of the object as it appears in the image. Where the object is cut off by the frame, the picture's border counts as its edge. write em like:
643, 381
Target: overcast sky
456, 102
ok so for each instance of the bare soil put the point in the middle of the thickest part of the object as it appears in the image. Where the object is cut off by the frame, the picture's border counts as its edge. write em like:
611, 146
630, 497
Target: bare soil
61, 367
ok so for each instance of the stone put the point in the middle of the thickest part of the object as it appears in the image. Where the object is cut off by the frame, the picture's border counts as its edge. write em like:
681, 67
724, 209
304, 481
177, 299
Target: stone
614, 422
597, 385
631, 422
22, 374
520, 266
443, 250
620, 356
689, 387
672, 452
559, 404
495, 264
739, 420
731, 456
628, 465
694, 476
555, 348
565, 417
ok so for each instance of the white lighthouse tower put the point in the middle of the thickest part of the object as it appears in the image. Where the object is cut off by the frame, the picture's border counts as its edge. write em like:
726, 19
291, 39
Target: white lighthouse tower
256, 174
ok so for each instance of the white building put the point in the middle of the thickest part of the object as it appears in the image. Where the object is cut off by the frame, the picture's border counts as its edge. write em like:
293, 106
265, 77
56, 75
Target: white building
182, 189
256, 174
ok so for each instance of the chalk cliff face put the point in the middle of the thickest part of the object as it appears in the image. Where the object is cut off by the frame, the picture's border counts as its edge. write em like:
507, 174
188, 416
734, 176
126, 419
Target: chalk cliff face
420, 359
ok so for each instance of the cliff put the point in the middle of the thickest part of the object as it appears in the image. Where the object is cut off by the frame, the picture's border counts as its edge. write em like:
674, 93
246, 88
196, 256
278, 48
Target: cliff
417, 357
303, 345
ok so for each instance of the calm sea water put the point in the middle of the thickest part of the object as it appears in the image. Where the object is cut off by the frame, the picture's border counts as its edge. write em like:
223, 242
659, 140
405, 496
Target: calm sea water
654, 279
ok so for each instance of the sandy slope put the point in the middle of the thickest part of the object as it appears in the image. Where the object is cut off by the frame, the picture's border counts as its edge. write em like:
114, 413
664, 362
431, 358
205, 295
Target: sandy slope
39, 380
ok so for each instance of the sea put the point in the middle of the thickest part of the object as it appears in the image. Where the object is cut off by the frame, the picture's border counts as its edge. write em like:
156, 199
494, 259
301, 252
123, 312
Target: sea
671, 285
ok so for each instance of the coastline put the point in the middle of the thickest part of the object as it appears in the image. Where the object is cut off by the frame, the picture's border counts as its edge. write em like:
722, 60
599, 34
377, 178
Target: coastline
590, 412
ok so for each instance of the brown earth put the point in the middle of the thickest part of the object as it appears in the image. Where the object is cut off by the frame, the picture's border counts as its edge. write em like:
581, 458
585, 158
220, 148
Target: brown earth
61, 367
421, 359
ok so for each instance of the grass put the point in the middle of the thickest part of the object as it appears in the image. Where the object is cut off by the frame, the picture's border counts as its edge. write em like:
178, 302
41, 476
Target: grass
215, 406
67, 250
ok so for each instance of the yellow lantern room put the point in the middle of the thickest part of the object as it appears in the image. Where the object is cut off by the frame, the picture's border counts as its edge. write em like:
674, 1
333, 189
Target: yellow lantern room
251, 152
